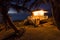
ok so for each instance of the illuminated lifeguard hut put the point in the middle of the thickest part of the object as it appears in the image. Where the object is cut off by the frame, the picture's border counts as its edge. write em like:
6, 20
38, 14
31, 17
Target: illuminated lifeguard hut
40, 14
37, 16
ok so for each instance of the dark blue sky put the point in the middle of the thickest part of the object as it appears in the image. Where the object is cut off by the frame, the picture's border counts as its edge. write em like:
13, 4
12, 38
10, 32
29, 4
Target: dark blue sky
23, 15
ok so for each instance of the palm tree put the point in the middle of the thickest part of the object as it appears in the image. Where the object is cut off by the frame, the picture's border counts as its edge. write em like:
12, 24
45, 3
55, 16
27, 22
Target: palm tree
4, 11
55, 12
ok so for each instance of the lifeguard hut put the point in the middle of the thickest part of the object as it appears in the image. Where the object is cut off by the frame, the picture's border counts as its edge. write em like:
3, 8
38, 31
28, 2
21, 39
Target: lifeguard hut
37, 16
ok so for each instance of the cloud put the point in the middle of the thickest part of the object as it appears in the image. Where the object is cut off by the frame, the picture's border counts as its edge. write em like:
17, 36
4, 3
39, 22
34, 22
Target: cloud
12, 11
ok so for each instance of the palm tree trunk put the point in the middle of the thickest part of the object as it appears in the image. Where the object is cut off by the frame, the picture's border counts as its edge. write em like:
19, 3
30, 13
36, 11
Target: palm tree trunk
4, 12
56, 11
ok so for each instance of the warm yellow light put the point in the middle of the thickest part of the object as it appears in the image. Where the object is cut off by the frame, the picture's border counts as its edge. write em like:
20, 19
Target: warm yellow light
35, 13
39, 13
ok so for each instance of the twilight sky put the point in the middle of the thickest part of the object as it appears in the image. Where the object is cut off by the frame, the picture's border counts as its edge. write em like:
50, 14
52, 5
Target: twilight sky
23, 15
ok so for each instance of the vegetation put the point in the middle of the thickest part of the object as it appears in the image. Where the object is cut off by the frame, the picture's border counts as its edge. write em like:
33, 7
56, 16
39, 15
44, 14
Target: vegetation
5, 5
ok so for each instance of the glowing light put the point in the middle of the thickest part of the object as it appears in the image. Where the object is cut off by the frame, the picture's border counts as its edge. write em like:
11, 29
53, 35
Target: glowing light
39, 13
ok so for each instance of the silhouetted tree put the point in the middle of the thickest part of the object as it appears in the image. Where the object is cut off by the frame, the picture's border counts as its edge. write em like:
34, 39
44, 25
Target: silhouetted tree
56, 12
4, 6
